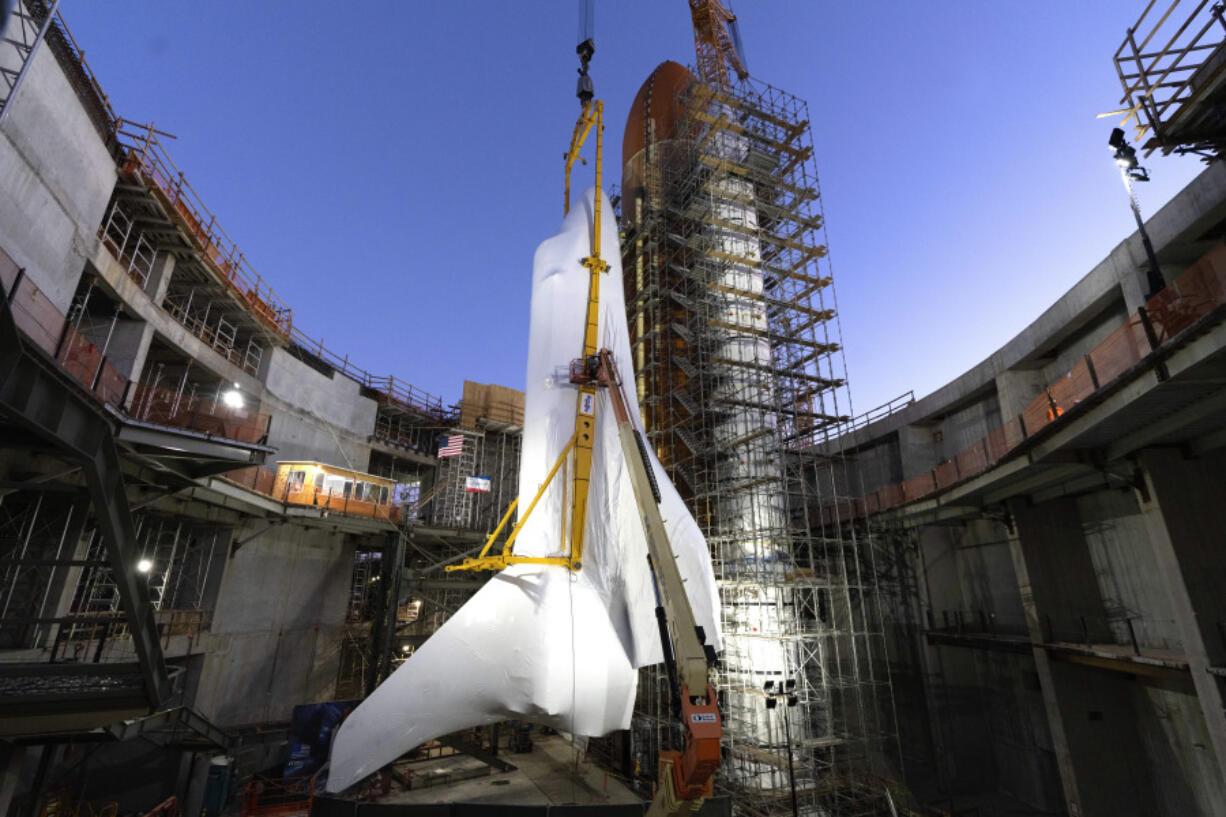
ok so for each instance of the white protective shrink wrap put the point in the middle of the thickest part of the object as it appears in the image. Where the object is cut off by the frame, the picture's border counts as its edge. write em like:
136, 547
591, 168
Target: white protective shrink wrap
542, 643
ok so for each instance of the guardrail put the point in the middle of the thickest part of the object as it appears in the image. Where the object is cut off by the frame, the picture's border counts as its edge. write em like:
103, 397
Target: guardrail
146, 158
262, 481
1199, 291
882, 411
391, 388
278, 797
47, 328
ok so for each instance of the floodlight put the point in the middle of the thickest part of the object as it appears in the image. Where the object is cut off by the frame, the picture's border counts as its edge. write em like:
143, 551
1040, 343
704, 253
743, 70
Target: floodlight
768, 686
144, 565
233, 398
1117, 138
771, 703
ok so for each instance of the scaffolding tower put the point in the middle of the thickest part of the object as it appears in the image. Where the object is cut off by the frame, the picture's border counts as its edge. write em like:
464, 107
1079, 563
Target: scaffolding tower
740, 378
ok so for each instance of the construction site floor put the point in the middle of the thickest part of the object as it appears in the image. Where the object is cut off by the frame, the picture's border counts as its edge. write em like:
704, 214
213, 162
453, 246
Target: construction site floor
548, 775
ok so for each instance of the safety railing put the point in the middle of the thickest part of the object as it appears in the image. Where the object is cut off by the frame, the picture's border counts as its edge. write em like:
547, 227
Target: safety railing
407, 435
86, 363
219, 336
146, 158
254, 478
209, 415
167, 808
129, 245
33, 312
1199, 291
103, 636
874, 414
390, 388
47, 328
278, 797
263, 481
1164, 63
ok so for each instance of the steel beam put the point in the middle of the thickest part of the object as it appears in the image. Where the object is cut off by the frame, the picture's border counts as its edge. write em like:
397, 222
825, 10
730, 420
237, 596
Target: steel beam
37, 396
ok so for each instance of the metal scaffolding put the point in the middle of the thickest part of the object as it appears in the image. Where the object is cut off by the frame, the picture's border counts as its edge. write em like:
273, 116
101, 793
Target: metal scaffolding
1171, 69
489, 450
739, 375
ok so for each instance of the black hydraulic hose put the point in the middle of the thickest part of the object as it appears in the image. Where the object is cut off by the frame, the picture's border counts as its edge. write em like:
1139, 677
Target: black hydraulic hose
651, 472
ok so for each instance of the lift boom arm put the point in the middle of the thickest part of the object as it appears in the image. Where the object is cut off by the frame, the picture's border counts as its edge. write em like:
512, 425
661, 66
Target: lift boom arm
685, 776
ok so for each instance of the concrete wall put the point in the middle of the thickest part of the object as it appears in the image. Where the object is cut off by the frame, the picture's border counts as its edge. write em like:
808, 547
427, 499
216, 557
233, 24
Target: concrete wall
276, 632
1124, 567
56, 175
317, 417
1009, 583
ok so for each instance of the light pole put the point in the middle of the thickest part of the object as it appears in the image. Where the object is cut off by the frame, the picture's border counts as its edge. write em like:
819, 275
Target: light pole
1131, 171
785, 691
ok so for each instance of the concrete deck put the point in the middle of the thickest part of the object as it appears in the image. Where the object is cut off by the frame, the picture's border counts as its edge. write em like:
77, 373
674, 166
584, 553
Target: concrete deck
553, 773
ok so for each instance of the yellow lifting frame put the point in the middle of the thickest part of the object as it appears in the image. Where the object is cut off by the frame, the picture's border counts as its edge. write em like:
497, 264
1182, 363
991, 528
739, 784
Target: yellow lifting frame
485, 562
592, 116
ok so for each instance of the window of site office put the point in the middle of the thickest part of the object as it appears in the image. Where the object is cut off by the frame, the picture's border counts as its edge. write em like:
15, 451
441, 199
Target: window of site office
337, 485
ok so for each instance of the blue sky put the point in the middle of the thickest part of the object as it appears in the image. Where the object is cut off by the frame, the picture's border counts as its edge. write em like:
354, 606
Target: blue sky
391, 171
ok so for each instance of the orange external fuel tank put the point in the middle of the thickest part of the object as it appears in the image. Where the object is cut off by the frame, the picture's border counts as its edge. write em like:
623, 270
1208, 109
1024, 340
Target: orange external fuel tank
656, 147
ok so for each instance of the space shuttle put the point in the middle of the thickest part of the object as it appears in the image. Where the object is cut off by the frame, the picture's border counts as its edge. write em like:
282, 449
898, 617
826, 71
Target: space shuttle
541, 642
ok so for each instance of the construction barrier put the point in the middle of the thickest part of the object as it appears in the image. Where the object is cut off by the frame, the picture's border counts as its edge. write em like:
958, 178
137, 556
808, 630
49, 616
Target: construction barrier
278, 797
208, 415
33, 312
257, 479
147, 160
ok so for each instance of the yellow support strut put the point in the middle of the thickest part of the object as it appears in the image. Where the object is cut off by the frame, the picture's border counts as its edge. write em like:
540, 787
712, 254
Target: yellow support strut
507, 557
591, 117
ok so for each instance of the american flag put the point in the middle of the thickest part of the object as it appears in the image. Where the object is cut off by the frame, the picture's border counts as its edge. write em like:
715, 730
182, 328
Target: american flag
451, 445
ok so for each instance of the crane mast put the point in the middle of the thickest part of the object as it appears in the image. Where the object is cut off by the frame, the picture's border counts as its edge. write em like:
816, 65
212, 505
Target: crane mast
715, 44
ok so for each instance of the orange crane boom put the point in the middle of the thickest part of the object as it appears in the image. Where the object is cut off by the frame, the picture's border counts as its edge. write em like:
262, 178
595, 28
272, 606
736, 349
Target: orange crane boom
713, 43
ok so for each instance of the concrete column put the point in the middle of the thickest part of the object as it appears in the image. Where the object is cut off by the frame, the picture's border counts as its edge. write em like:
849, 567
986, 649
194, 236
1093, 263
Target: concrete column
1184, 517
159, 277
1047, 685
927, 660
1016, 389
916, 449
1091, 713
128, 347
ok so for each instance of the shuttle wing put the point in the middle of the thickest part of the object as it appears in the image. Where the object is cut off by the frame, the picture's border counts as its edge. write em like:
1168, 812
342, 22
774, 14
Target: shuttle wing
542, 643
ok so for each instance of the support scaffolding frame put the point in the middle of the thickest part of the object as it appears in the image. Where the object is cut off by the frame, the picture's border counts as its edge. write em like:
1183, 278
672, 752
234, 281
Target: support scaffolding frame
739, 376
